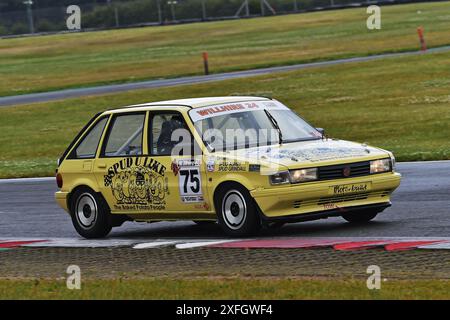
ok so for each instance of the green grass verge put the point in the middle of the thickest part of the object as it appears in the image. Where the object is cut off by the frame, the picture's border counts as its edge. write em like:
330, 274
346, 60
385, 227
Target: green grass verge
234, 288
401, 104
85, 59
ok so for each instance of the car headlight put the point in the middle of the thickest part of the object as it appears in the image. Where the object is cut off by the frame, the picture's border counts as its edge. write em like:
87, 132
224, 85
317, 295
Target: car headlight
294, 176
382, 165
279, 178
303, 175
392, 162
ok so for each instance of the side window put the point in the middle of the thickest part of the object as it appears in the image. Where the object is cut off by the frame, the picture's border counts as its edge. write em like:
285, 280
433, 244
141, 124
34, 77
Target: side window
87, 148
125, 135
162, 127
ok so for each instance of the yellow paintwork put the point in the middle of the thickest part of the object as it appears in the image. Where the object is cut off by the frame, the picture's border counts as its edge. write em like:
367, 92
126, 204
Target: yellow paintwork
281, 202
274, 201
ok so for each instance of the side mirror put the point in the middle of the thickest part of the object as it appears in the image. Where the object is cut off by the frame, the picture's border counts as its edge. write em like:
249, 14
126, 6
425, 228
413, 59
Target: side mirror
321, 130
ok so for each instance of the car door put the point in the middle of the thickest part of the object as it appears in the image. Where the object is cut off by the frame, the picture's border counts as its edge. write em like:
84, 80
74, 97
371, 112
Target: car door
171, 144
121, 168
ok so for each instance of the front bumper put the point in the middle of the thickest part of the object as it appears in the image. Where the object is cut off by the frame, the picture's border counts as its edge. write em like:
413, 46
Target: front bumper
315, 197
327, 213
61, 199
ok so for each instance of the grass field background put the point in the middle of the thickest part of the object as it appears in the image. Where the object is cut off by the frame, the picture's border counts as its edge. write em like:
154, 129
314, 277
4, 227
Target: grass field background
401, 104
233, 288
83, 59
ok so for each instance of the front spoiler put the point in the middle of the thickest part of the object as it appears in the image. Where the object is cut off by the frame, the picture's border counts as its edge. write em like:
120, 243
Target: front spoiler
325, 213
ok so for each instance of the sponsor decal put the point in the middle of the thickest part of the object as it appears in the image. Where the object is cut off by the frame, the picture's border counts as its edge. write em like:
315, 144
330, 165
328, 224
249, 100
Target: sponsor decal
222, 109
202, 206
254, 167
211, 164
320, 154
175, 168
313, 154
189, 180
231, 167
212, 111
330, 206
350, 188
137, 183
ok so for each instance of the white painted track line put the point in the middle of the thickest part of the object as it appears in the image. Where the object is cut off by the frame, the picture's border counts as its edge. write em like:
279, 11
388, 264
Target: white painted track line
22, 180
155, 244
442, 246
200, 244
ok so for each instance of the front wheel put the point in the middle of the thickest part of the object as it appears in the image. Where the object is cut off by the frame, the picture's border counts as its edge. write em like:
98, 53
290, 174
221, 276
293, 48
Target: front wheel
236, 211
360, 217
90, 214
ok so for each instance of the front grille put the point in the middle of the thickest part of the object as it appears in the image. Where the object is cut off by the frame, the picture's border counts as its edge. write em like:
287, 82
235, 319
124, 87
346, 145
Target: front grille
343, 198
356, 169
297, 204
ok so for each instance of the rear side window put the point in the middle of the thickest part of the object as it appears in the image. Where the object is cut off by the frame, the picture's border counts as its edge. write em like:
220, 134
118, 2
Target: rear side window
125, 136
87, 148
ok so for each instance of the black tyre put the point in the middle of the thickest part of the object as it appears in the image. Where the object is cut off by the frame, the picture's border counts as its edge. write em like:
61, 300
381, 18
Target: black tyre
90, 214
360, 216
275, 225
236, 211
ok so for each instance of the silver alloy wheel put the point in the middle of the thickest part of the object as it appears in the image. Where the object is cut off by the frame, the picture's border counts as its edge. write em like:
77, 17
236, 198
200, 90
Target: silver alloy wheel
234, 209
86, 210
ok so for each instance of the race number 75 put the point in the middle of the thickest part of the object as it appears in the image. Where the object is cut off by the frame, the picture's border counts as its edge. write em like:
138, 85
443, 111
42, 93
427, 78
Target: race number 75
191, 181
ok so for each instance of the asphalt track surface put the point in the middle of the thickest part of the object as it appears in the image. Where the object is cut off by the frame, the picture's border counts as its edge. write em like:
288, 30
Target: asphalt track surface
421, 208
116, 88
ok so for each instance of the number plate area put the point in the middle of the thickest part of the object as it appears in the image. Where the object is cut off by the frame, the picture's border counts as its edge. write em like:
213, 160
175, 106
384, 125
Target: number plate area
343, 189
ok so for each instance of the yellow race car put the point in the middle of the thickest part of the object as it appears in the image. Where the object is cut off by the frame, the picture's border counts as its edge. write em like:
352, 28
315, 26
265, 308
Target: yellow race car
246, 162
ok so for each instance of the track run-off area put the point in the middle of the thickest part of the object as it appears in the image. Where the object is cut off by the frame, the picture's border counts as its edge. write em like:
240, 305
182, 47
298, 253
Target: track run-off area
418, 218
161, 83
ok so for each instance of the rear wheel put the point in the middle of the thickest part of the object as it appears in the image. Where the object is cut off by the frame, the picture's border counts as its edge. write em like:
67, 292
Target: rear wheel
90, 214
236, 211
360, 217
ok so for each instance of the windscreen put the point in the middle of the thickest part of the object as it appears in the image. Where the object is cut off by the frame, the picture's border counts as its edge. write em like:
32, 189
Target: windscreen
243, 125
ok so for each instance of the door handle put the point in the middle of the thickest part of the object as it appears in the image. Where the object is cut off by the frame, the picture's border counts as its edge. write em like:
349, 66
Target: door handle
101, 165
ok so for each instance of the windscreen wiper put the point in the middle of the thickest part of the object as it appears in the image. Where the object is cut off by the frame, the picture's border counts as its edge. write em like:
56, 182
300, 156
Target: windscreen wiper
275, 124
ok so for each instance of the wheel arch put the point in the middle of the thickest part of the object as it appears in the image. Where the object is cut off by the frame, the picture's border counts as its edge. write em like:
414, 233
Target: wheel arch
250, 223
222, 186
83, 186
242, 180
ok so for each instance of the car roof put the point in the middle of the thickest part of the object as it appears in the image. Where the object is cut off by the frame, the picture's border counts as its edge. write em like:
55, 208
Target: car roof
189, 103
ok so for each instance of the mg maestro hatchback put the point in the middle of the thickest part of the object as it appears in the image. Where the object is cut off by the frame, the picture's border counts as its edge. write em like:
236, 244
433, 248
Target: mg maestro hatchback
244, 162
